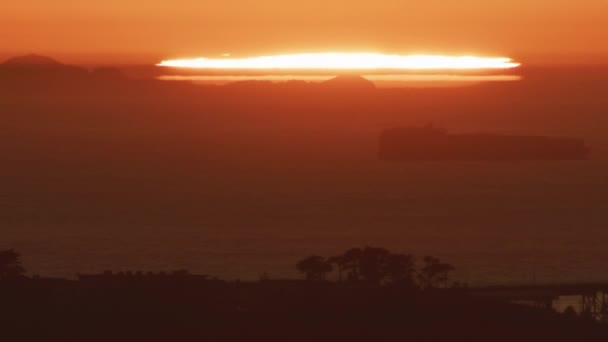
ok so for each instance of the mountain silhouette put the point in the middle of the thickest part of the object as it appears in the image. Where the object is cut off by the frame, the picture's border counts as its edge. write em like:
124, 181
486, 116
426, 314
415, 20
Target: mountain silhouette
23, 70
31, 60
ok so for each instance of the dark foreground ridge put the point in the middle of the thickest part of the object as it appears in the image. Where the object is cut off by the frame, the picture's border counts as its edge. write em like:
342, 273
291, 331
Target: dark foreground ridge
376, 299
430, 143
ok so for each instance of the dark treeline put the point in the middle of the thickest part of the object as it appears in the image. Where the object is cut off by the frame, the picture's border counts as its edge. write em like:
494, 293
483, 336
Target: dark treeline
179, 306
376, 267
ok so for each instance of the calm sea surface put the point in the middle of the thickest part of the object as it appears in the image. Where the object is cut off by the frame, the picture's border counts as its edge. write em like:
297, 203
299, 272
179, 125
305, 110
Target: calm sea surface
497, 222
258, 206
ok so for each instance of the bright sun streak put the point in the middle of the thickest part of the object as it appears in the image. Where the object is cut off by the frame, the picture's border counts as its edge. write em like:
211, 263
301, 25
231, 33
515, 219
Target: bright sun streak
345, 61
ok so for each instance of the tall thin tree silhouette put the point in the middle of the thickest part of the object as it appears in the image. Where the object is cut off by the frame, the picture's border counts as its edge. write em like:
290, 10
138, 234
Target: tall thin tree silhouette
10, 265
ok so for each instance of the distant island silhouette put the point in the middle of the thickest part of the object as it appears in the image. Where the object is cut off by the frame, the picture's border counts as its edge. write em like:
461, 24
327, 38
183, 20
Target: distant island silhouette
41, 68
350, 82
31, 60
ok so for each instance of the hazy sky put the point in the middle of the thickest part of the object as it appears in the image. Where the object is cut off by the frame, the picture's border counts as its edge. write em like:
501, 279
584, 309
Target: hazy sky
143, 31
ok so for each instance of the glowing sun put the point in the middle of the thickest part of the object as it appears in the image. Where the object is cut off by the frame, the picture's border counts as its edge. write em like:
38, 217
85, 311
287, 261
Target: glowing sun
345, 61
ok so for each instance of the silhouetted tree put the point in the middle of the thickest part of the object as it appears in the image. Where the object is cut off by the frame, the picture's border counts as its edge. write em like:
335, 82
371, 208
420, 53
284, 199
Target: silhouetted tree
314, 267
340, 265
570, 312
350, 262
434, 273
373, 265
10, 265
400, 270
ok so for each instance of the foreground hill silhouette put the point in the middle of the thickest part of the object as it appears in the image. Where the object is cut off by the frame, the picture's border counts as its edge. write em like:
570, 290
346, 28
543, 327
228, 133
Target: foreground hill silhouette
137, 306
174, 309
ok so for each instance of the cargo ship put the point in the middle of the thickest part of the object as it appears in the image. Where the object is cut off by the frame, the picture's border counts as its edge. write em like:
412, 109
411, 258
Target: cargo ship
428, 143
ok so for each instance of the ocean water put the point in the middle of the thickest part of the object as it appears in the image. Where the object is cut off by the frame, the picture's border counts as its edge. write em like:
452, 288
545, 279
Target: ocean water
498, 223
306, 181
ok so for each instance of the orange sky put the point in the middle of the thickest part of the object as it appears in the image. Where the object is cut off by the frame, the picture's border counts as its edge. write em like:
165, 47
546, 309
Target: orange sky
149, 30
